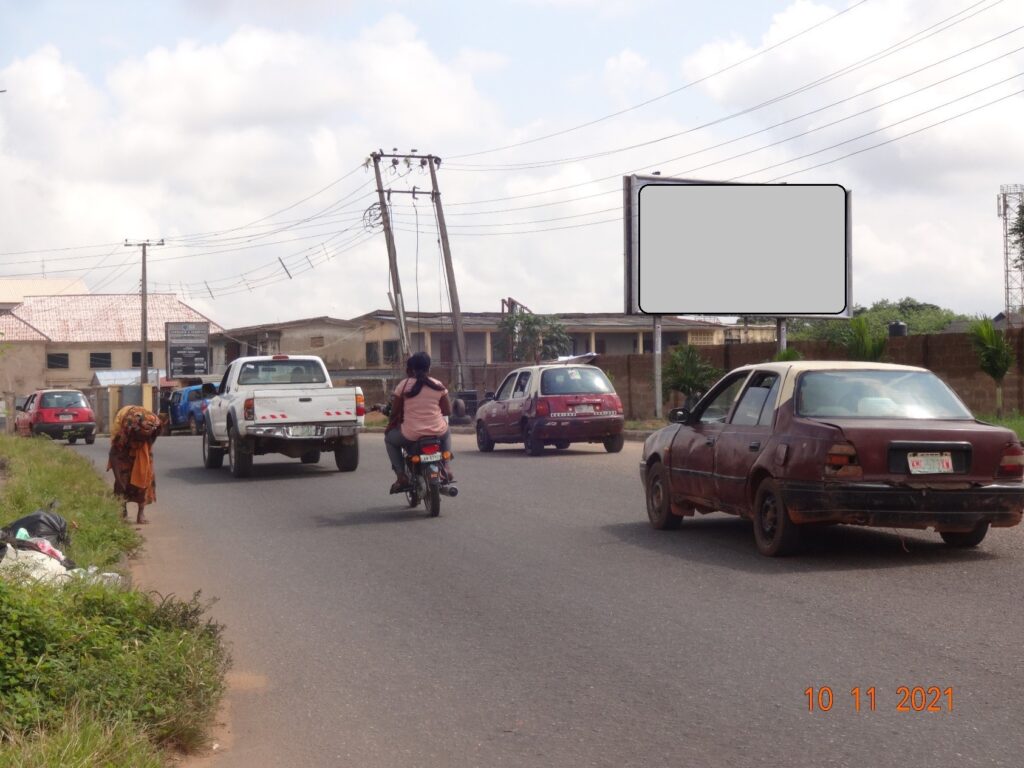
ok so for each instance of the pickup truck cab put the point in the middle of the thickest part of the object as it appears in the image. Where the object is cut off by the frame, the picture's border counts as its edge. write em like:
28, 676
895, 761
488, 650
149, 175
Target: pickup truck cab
281, 404
185, 409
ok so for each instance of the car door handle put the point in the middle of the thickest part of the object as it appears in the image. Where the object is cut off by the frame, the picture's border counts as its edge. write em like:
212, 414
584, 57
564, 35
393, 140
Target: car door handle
709, 441
756, 445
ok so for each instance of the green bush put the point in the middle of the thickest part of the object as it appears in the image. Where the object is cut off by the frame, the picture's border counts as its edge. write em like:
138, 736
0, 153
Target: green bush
117, 655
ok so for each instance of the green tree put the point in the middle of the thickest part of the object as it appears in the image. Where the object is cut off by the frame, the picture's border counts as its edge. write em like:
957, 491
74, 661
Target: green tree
864, 343
920, 317
687, 372
994, 355
524, 336
789, 353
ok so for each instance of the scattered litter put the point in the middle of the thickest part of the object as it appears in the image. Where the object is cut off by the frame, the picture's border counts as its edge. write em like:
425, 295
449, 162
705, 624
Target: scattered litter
45, 524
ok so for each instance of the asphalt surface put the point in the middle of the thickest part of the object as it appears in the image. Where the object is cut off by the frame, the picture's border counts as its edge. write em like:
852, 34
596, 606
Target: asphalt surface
540, 621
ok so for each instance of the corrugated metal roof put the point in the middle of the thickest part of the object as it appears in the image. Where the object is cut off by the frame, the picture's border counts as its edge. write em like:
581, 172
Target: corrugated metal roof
13, 328
323, 320
124, 376
13, 290
105, 317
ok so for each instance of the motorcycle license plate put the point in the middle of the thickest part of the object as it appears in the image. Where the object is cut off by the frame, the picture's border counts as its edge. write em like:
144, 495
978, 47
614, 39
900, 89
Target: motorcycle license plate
930, 463
430, 457
302, 430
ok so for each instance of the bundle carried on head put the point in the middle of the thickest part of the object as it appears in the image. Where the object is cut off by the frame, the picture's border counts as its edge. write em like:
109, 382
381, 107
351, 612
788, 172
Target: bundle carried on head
135, 424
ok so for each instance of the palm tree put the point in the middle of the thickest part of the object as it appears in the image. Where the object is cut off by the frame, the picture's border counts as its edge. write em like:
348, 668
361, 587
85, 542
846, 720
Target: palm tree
686, 371
994, 355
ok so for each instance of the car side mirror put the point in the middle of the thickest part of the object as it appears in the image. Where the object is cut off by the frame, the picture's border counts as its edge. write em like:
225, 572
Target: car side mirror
209, 390
488, 396
679, 415
19, 407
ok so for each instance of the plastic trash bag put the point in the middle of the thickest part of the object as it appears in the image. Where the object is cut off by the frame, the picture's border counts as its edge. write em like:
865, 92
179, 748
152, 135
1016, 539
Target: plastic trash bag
43, 524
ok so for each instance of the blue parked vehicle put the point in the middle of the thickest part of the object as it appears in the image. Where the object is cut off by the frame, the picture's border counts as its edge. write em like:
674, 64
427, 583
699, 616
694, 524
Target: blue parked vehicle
187, 409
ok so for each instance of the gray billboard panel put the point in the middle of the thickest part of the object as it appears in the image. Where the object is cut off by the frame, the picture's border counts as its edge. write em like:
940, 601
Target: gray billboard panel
707, 248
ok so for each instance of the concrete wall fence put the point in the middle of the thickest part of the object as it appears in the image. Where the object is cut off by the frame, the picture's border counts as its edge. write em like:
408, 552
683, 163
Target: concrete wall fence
949, 355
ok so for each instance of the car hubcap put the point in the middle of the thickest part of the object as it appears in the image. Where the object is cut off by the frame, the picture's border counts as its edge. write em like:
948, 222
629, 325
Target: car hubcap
657, 496
769, 517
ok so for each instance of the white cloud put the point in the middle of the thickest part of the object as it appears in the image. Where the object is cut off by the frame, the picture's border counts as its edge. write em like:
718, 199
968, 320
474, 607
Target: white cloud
629, 78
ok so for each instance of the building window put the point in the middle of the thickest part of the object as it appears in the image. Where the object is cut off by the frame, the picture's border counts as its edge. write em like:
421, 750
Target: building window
100, 360
316, 341
372, 353
57, 361
137, 356
600, 347
390, 351
701, 337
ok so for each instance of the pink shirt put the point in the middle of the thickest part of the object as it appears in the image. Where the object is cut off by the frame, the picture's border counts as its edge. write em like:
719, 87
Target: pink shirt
421, 415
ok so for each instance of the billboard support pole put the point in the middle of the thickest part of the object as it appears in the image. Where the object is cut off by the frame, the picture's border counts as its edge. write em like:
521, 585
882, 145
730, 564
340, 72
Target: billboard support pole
780, 333
657, 366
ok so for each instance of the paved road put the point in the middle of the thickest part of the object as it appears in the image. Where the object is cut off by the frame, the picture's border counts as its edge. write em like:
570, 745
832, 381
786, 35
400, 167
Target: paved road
541, 622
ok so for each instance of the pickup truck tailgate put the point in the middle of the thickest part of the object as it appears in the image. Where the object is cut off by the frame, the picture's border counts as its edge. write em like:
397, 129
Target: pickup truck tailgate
318, 406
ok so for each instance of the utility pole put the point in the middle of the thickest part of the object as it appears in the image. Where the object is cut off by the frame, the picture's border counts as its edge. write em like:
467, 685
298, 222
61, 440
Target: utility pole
397, 302
460, 336
144, 362
657, 367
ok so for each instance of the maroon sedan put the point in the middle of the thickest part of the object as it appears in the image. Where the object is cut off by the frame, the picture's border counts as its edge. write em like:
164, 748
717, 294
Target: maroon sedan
798, 443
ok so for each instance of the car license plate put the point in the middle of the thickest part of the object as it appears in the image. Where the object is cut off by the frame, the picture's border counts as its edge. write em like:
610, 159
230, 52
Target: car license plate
584, 409
930, 463
430, 457
66, 416
302, 430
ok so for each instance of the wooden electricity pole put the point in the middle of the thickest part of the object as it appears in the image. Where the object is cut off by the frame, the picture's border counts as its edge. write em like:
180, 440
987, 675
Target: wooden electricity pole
144, 362
397, 302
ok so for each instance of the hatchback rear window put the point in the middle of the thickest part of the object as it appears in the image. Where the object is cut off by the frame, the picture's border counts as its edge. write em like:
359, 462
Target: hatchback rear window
877, 395
63, 400
574, 381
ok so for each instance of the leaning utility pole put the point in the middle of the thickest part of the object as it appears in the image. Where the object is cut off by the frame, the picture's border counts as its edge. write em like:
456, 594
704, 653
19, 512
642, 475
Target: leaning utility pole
144, 362
397, 302
453, 293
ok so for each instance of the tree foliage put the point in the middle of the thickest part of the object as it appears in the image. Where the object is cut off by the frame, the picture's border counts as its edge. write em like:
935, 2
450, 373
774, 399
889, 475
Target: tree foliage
524, 336
995, 356
864, 343
687, 372
788, 354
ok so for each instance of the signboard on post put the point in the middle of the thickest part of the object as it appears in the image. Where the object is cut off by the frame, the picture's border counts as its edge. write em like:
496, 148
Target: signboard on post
188, 349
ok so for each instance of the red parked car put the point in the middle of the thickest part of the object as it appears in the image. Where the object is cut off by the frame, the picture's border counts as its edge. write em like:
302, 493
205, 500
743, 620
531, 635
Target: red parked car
555, 404
63, 414
799, 443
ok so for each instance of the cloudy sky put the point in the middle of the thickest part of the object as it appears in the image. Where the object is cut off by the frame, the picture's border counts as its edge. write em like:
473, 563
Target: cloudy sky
237, 131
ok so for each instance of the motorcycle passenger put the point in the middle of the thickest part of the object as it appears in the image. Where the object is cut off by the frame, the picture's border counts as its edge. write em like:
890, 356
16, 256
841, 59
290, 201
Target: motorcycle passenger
419, 409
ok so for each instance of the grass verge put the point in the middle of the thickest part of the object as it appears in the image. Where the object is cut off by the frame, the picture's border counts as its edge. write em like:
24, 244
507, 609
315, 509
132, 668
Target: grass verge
1014, 421
89, 673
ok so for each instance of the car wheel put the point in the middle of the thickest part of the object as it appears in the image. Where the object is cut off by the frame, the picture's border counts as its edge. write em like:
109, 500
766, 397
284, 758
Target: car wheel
964, 539
90, 439
239, 455
72, 440
310, 457
483, 438
614, 444
659, 499
346, 456
532, 445
562, 445
213, 454
193, 429
774, 531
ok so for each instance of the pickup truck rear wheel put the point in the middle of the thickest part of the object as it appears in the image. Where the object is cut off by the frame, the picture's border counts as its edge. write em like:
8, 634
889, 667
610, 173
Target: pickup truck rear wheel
213, 454
239, 455
346, 456
310, 457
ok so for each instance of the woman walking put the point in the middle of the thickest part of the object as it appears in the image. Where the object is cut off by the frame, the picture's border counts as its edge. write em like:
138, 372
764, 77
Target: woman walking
134, 431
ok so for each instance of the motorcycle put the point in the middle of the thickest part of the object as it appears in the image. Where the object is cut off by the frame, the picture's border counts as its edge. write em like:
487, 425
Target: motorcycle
426, 467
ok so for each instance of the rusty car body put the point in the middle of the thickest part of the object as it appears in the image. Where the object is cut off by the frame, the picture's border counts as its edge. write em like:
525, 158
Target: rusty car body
790, 444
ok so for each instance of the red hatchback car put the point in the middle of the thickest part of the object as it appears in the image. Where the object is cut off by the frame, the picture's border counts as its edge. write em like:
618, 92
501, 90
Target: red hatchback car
793, 444
555, 404
63, 414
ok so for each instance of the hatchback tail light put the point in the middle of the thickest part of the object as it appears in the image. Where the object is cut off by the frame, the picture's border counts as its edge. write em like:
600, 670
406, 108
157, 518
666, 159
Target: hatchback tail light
543, 407
1012, 463
841, 461
616, 404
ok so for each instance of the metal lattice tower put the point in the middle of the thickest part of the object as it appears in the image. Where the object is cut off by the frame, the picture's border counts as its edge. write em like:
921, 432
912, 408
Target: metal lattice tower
1009, 202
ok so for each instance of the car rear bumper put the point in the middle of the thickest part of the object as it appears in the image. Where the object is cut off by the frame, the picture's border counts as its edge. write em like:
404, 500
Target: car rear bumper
63, 430
877, 504
578, 428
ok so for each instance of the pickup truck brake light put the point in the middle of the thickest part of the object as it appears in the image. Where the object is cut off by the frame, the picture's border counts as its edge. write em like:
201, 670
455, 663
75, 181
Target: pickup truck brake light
360, 405
279, 357
249, 409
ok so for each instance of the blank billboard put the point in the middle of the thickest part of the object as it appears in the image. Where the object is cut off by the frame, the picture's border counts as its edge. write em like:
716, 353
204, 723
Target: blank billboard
737, 249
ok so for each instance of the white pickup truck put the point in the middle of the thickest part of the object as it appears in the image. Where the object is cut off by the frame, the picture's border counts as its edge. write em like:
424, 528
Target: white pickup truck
281, 404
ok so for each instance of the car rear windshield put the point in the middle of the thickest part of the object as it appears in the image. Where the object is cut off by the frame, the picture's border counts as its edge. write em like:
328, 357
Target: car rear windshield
877, 395
63, 400
282, 372
574, 381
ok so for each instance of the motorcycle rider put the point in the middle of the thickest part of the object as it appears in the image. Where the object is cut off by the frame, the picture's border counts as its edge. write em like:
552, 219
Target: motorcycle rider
419, 409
